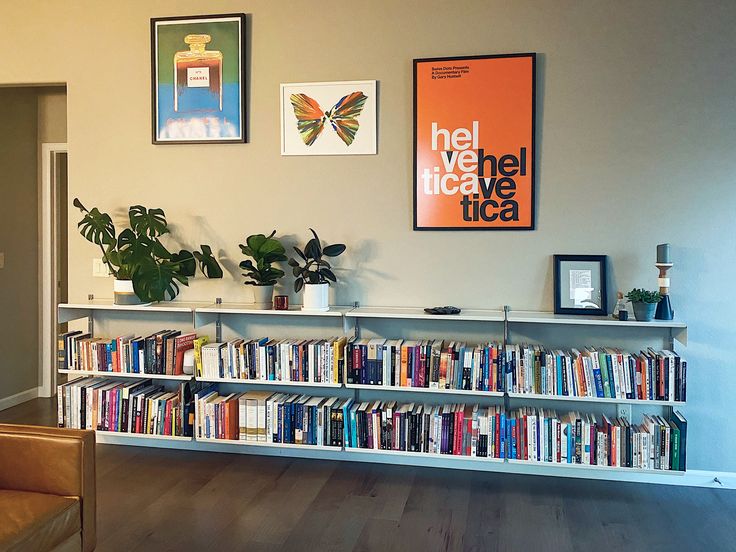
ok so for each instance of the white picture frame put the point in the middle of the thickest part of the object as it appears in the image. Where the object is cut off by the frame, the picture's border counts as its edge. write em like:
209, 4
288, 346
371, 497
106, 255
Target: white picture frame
325, 97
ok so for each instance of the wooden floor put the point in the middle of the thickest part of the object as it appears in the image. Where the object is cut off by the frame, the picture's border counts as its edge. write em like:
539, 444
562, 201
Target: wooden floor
160, 500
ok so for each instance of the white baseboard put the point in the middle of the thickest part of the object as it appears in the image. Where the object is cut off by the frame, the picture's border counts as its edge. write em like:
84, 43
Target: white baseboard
18, 398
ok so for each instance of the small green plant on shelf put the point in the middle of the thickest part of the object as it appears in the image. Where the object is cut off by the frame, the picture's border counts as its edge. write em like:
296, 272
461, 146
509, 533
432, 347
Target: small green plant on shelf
644, 303
263, 251
643, 296
315, 270
137, 253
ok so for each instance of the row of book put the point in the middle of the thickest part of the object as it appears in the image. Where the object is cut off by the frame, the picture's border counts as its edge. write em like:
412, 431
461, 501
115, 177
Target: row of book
527, 434
132, 406
597, 372
434, 364
259, 416
159, 353
304, 361
539, 435
425, 363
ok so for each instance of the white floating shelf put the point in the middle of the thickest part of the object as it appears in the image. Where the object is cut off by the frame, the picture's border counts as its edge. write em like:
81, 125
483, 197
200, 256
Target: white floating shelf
604, 400
563, 466
406, 313
142, 436
107, 304
458, 457
97, 373
425, 390
678, 329
539, 317
74, 311
248, 308
269, 382
239, 443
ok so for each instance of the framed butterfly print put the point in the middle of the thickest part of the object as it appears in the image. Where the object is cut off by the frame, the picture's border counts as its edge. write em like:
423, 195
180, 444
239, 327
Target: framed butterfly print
328, 118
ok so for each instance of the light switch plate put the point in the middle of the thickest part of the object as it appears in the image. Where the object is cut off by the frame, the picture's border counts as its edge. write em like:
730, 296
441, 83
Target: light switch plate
99, 269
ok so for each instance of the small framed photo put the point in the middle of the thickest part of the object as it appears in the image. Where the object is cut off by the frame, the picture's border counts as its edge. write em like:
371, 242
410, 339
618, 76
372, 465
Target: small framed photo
580, 284
198, 79
328, 118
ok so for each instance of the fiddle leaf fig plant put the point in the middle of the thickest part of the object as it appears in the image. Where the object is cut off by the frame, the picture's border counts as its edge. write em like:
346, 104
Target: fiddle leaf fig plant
138, 254
264, 250
315, 269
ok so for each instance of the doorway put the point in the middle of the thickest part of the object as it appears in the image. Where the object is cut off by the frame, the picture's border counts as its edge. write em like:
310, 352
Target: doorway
54, 258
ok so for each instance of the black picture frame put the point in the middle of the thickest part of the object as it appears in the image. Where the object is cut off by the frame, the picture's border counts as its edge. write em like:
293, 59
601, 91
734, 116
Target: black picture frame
243, 138
533, 224
602, 261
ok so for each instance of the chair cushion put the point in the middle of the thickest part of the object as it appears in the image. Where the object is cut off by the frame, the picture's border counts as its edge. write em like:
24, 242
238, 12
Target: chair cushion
36, 521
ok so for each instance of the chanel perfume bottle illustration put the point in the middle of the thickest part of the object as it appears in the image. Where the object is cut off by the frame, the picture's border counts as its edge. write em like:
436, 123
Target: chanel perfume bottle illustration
198, 75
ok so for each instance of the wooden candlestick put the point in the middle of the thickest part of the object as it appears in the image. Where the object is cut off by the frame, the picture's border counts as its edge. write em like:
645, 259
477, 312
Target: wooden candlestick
664, 308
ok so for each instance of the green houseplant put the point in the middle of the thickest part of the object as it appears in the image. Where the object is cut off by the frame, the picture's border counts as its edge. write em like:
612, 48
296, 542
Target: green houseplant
314, 273
144, 269
263, 251
644, 303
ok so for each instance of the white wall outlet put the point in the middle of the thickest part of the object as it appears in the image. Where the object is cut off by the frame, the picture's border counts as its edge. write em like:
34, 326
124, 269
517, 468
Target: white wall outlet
99, 269
2, 260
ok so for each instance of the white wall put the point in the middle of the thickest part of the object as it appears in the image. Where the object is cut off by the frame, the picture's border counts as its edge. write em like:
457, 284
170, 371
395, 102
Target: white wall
636, 126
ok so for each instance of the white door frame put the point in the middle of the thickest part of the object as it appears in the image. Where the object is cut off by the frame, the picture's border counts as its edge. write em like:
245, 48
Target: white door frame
48, 311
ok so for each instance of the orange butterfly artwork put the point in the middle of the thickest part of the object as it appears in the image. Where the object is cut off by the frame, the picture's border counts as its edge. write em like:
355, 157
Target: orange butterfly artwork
342, 117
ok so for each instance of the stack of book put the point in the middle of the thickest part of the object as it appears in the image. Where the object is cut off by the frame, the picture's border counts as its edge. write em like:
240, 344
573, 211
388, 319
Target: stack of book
264, 417
158, 353
130, 406
603, 373
434, 364
539, 435
455, 429
304, 361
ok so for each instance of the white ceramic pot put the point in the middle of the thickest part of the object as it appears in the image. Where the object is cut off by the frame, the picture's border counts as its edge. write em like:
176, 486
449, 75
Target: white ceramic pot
316, 297
263, 297
124, 294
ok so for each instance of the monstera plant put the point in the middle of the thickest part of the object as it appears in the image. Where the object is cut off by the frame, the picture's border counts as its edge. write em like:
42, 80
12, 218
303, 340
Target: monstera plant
138, 256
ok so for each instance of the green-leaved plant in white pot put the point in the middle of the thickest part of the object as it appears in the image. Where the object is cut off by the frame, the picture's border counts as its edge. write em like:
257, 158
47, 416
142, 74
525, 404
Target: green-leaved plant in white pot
313, 273
263, 251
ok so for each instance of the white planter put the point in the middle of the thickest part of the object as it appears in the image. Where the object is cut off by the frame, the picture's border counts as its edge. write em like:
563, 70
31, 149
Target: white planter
263, 297
316, 297
124, 294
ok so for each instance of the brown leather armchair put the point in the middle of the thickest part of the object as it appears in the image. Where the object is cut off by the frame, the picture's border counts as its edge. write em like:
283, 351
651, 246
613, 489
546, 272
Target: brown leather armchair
47, 489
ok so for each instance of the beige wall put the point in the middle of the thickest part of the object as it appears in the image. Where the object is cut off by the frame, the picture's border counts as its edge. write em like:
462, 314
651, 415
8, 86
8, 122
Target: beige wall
636, 126
52, 114
19, 242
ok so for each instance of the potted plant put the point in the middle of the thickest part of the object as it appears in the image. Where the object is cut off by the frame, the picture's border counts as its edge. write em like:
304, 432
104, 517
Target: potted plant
644, 303
144, 269
315, 275
264, 250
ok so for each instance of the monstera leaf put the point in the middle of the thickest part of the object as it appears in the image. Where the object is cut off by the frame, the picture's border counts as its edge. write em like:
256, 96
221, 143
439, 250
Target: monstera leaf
157, 281
151, 222
187, 263
207, 262
96, 227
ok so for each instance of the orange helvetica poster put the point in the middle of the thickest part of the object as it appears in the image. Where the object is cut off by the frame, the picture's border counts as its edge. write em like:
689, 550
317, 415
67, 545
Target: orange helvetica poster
474, 143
